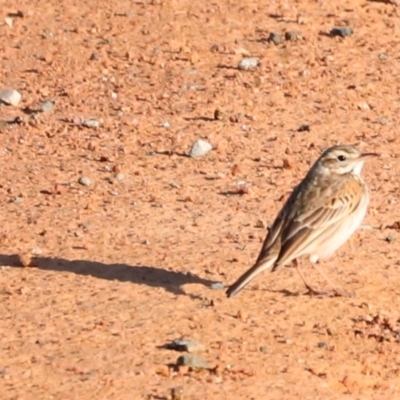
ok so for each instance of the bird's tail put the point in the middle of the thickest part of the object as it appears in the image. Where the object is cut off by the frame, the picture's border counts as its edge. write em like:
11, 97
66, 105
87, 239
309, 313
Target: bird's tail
242, 281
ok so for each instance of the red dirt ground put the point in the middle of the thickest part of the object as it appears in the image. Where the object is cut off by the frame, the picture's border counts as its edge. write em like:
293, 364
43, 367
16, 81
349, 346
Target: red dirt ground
121, 267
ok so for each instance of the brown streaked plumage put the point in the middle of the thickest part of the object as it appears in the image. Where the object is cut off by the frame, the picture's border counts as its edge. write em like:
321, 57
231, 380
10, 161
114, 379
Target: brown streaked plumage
320, 215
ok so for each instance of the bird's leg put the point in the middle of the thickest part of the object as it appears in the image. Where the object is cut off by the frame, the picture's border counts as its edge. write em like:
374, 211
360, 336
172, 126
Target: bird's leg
338, 291
318, 292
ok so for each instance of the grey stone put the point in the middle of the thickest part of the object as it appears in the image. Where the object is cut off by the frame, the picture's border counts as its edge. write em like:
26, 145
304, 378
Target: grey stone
200, 148
192, 361
342, 31
188, 345
217, 286
248, 63
275, 38
91, 123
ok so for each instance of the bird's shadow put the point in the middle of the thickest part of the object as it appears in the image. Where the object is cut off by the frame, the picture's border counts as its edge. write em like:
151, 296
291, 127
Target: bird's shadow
139, 274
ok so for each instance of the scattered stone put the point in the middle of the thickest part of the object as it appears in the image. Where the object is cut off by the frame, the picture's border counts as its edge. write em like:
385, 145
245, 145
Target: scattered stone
304, 128
192, 361
322, 345
217, 286
10, 96
301, 19
90, 123
275, 38
200, 148
25, 259
166, 125
18, 200
293, 36
47, 106
84, 180
389, 239
305, 72
9, 21
383, 57
382, 121
120, 177
341, 31
260, 224
363, 105
218, 115
189, 345
248, 63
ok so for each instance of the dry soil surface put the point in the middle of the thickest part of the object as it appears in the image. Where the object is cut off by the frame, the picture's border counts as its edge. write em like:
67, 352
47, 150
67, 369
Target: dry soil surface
96, 279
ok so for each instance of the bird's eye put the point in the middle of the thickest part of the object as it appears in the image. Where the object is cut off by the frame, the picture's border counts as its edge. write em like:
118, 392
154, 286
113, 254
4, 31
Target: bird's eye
341, 157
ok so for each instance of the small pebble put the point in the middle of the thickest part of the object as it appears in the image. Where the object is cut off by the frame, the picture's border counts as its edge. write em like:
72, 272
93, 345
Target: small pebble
84, 180
10, 96
8, 21
188, 345
120, 177
275, 38
304, 128
47, 106
293, 36
363, 105
217, 286
90, 123
341, 31
200, 148
383, 57
248, 63
192, 361
322, 345
166, 125
382, 121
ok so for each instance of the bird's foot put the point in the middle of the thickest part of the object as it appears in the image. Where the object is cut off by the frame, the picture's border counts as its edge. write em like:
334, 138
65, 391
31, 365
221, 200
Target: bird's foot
323, 293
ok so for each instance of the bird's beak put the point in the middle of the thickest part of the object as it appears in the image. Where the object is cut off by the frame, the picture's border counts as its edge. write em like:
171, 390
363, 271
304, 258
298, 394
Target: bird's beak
366, 156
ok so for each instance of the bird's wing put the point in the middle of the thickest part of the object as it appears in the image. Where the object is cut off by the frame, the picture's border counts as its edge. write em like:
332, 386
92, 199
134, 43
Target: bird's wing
311, 217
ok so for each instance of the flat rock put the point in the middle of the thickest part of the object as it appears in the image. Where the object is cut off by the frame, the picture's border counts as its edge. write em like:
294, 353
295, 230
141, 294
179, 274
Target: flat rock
10, 96
192, 361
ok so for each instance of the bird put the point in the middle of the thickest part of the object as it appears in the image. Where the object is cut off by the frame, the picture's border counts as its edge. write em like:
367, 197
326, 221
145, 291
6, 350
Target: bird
319, 216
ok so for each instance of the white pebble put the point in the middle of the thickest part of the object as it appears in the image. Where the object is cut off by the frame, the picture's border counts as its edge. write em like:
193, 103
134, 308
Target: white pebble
85, 181
91, 123
200, 148
248, 63
10, 96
